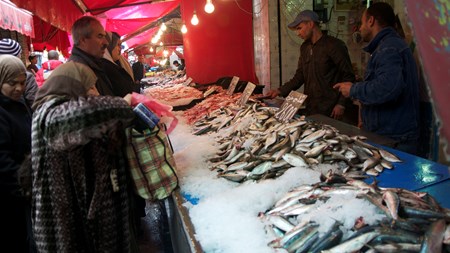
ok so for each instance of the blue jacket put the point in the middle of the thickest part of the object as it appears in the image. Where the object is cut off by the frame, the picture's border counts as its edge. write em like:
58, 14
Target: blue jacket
389, 93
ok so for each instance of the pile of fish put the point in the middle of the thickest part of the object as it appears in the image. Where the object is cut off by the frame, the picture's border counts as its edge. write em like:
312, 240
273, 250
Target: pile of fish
254, 145
210, 104
407, 221
175, 95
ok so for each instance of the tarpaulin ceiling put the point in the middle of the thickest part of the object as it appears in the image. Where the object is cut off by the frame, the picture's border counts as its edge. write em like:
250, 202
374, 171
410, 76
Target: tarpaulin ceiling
12, 18
123, 20
49, 37
169, 38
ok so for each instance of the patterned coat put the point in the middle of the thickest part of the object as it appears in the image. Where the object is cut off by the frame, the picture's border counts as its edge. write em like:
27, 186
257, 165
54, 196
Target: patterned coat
76, 150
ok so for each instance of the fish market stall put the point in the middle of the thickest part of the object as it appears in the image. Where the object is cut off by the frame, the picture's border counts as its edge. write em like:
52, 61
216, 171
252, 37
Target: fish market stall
228, 211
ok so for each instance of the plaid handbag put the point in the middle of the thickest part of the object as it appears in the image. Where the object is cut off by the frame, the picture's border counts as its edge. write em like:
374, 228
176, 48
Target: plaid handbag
151, 162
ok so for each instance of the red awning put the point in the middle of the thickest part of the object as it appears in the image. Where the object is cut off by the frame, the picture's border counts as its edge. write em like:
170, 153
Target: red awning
15, 19
432, 34
129, 20
123, 20
49, 37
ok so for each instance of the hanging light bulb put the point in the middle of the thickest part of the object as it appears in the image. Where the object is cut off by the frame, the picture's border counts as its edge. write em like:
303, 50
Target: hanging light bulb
151, 49
209, 7
163, 27
183, 28
161, 43
194, 20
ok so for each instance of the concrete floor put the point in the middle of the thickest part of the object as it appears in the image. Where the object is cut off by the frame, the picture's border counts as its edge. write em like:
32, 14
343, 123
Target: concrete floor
156, 236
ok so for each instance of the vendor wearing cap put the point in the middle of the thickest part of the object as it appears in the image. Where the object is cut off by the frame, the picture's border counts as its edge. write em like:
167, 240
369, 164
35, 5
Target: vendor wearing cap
323, 62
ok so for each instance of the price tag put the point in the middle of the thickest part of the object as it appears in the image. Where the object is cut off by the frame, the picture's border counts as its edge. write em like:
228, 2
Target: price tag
246, 94
290, 106
232, 86
188, 81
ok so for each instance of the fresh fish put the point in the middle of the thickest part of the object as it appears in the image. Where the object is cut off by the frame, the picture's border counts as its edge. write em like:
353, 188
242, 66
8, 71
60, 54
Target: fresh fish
294, 160
235, 176
237, 166
392, 202
353, 244
271, 139
304, 241
314, 136
280, 222
386, 164
328, 240
262, 168
316, 150
389, 156
397, 247
434, 237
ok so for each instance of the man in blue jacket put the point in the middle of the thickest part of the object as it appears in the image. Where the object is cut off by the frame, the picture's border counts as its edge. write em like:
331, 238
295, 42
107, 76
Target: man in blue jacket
389, 94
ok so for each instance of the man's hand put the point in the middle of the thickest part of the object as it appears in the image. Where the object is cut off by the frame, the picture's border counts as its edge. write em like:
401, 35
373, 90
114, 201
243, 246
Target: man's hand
273, 93
128, 98
344, 88
338, 112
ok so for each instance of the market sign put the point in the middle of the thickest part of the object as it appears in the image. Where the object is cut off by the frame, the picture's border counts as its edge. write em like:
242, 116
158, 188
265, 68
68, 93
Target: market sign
232, 86
15, 19
290, 106
246, 94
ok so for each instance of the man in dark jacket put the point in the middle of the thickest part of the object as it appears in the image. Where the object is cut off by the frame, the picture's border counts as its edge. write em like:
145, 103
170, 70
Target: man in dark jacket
138, 69
389, 94
323, 61
89, 38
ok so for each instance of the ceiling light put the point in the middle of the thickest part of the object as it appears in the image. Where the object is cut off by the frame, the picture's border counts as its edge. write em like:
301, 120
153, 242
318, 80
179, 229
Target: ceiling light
183, 28
194, 20
209, 7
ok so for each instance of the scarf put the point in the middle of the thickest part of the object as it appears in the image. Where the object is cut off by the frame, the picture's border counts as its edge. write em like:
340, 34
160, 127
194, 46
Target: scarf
70, 80
10, 68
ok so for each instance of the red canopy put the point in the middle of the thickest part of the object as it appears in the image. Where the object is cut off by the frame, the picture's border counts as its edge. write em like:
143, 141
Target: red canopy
126, 17
49, 37
16, 19
432, 33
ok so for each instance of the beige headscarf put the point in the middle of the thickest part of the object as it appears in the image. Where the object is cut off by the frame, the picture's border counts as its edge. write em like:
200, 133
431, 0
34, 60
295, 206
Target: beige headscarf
10, 68
72, 80
113, 38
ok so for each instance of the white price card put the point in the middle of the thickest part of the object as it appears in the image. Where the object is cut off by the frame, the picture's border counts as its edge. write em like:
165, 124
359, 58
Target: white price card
246, 94
188, 81
290, 106
232, 86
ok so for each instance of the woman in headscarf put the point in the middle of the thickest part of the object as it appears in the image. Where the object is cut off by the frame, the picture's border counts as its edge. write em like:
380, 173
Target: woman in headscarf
80, 185
15, 145
117, 68
120, 74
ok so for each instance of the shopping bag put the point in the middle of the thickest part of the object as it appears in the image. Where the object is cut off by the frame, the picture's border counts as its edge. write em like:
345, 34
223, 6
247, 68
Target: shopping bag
151, 162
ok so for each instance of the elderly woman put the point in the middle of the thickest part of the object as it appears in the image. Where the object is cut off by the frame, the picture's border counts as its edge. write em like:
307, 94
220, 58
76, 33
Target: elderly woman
80, 192
117, 68
15, 144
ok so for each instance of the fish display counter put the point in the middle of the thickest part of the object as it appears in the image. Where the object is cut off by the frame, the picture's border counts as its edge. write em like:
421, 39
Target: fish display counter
211, 214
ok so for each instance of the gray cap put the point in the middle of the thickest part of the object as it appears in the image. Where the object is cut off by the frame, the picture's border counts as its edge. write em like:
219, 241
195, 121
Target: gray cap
306, 15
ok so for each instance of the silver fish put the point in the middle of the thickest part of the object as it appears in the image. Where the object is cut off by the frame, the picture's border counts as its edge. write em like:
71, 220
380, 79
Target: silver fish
294, 160
389, 156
